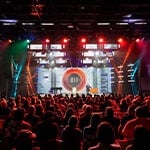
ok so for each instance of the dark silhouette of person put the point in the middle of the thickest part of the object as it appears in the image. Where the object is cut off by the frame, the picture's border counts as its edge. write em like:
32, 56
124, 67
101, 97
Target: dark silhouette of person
71, 135
88, 87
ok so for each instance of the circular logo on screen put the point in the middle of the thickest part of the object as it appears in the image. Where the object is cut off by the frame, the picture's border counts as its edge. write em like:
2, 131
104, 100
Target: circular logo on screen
74, 77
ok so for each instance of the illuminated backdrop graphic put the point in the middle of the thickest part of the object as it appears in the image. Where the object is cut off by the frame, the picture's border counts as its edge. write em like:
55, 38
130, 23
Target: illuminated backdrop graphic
74, 77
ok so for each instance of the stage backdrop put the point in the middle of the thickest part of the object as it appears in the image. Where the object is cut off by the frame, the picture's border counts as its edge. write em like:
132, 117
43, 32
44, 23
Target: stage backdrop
70, 79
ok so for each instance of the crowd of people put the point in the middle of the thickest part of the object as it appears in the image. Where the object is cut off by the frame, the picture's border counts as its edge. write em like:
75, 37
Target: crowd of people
80, 122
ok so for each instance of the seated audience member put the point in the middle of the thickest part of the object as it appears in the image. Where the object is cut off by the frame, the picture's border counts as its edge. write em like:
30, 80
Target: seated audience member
147, 104
15, 125
31, 116
141, 118
40, 111
105, 138
130, 114
4, 109
89, 132
71, 135
69, 112
47, 132
112, 119
85, 117
141, 139
123, 105
24, 140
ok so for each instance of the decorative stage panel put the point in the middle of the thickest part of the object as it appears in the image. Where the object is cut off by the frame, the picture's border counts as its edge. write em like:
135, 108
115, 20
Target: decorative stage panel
64, 80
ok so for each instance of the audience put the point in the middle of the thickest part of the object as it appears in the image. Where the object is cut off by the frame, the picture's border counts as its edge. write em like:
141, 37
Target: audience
63, 122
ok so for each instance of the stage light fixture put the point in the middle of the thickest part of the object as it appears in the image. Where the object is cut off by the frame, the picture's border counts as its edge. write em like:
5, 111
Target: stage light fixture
64, 43
28, 41
100, 40
10, 41
120, 40
83, 40
47, 40
137, 40
65, 40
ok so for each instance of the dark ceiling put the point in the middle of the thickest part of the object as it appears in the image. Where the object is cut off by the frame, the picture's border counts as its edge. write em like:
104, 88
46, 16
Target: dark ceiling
128, 18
